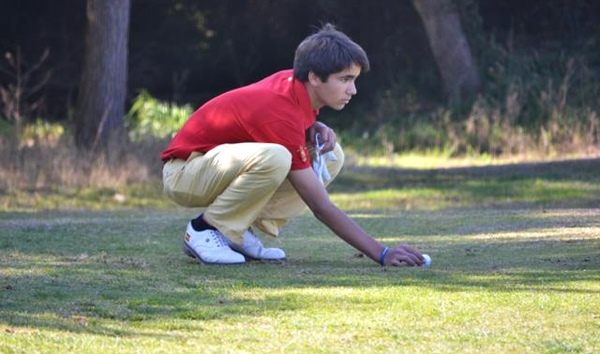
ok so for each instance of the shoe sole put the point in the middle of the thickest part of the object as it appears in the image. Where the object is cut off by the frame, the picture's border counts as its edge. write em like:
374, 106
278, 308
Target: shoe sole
189, 251
250, 258
270, 260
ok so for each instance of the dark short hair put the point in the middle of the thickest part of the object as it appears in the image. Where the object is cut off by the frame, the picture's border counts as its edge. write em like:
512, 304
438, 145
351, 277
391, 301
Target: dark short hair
326, 52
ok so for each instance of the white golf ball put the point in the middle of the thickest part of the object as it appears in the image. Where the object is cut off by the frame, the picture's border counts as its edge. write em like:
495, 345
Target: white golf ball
427, 260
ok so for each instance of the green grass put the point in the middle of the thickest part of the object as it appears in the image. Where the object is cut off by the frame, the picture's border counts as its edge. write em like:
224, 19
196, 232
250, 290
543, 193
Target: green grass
516, 269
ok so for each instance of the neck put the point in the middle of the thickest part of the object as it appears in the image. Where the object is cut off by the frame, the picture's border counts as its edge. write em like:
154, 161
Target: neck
314, 101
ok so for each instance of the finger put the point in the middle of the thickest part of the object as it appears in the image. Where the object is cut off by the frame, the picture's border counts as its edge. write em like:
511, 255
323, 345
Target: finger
333, 140
397, 263
330, 142
403, 255
328, 147
402, 263
331, 136
405, 247
323, 133
314, 131
410, 261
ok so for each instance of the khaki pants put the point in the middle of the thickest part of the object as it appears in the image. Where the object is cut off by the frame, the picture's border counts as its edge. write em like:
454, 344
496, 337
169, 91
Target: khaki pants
240, 185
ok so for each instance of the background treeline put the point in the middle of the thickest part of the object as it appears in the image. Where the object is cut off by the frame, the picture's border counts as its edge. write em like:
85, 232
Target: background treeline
539, 63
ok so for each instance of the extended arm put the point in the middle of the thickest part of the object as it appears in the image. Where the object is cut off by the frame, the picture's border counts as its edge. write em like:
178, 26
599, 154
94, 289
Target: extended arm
314, 194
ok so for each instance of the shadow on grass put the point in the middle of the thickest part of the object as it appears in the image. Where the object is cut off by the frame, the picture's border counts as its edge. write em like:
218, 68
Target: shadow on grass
565, 183
570, 170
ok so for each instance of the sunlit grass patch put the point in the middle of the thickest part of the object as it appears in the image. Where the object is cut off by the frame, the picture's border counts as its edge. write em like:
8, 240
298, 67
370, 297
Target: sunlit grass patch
140, 195
469, 193
444, 160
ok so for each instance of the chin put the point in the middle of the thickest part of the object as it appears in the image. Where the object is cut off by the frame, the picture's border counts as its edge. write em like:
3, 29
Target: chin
338, 107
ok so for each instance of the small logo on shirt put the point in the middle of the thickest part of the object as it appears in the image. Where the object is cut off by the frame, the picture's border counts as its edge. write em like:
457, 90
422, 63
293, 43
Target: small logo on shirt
303, 152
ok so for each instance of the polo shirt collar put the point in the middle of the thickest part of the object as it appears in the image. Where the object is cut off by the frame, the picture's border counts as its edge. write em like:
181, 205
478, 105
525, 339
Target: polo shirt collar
301, 94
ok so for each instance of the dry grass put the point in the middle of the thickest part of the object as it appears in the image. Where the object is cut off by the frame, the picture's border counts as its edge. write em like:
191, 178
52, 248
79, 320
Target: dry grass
59, 164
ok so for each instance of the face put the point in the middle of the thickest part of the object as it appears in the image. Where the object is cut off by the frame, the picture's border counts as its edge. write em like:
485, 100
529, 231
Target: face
337, 91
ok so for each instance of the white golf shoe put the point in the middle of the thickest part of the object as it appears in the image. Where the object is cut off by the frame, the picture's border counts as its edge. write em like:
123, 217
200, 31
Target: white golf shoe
253, 248
209, 246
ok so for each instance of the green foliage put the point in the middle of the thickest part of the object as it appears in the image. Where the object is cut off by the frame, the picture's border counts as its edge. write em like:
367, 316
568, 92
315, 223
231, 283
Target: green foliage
42, 132
151, 118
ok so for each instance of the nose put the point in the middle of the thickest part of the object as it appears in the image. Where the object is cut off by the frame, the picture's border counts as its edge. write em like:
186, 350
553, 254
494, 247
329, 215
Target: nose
351, 89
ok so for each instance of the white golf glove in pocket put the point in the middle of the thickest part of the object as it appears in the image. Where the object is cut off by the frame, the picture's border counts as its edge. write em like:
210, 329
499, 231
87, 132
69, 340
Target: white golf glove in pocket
318, 164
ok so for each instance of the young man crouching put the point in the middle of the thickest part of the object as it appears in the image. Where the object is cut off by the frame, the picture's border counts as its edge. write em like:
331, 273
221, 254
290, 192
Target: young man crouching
256, 156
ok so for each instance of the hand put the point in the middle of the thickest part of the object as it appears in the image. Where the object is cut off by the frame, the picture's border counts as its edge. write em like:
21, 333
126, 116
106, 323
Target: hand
327, 136
403, 255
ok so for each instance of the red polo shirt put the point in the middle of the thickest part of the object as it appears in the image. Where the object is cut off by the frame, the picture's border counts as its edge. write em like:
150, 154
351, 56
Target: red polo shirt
276, 110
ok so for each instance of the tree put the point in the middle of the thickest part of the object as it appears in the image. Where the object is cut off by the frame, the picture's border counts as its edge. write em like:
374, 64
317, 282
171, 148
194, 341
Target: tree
450, 48
103, 87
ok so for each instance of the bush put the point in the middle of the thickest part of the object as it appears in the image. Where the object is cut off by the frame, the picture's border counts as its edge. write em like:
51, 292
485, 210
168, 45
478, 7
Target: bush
149, 117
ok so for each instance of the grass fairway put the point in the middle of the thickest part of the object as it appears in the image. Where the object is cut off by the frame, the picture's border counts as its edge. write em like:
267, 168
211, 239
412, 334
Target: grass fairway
516, 269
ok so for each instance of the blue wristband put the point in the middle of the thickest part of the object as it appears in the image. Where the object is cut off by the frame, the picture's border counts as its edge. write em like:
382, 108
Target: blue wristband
383, 255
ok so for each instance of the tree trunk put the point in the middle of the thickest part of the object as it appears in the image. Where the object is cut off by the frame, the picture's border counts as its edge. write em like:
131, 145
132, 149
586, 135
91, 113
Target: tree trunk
101, 100
450, 48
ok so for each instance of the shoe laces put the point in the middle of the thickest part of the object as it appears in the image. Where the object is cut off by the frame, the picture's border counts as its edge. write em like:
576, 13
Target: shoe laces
218, 238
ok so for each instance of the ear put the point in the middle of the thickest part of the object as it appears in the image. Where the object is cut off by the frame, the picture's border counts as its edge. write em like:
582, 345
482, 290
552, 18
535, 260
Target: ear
313, 78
